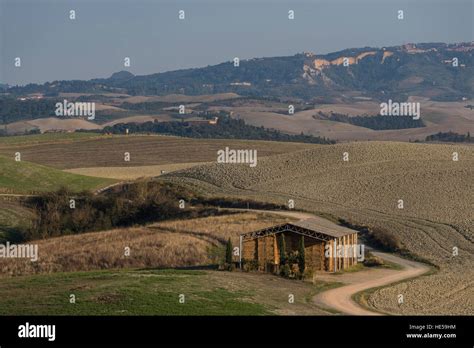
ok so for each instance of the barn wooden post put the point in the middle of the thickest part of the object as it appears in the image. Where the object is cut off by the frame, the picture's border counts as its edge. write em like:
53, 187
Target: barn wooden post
335, 255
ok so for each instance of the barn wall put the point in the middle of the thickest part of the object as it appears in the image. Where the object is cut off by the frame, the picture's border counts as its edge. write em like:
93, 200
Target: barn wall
266, 251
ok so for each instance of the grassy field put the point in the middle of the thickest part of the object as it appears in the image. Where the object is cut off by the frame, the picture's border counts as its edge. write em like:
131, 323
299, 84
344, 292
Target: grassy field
108, 151
122, 293
176, 243
26, 177
13, 217
156, 292
437, 199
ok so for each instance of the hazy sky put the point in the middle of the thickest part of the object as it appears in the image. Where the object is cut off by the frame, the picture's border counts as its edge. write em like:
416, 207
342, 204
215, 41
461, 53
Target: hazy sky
53, 47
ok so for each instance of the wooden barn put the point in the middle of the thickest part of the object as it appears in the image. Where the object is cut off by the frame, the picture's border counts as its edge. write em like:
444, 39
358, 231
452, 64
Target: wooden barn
262, 247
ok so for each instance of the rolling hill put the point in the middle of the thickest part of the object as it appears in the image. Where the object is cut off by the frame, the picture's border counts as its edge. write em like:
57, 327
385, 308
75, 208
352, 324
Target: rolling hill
25, 177
436, 216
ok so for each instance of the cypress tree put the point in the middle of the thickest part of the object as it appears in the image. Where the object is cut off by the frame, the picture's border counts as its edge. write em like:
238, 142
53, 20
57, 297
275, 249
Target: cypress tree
228, 253
301, 257
282, 250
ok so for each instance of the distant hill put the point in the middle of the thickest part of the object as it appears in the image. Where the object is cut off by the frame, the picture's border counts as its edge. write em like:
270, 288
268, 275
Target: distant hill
423, 69
122, 75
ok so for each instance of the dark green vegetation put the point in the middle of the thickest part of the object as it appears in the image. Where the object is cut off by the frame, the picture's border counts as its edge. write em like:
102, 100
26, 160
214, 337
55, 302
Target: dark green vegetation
450, 137
377, 122
283, 76
128, 204
301, 256
153, 292
12, 110
226, 128
26, 177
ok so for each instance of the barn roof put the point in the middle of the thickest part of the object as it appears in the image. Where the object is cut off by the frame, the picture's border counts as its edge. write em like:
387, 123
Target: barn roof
316, 227
324, 226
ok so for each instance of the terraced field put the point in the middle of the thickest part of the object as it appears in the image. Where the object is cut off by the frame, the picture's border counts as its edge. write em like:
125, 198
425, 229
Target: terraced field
437, 214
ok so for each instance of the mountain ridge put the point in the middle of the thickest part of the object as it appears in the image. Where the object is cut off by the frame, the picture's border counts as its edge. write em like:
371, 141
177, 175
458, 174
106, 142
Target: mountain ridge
425, 69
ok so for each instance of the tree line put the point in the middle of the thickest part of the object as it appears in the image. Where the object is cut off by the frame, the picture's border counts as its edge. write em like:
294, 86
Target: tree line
377, 122
451, 137
226, 128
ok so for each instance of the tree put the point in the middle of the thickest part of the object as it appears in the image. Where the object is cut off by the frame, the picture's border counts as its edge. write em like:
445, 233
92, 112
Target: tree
228, 254
301, 257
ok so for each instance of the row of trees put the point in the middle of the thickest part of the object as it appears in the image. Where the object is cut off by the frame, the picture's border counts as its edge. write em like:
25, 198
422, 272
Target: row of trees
226, 128
451, 137
377, 122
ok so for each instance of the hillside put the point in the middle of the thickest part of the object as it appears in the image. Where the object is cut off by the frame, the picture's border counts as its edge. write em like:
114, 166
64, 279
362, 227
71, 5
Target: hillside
26, 177
437, 206
399, 71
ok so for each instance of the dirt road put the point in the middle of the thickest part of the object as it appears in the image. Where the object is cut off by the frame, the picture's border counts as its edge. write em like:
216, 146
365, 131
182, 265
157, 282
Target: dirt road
340, 298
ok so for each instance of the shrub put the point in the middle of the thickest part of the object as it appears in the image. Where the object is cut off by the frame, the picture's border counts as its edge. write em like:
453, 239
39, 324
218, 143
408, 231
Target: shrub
372, 260
285, 270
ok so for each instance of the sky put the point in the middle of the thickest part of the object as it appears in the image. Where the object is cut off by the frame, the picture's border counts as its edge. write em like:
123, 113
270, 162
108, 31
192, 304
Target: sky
51, 46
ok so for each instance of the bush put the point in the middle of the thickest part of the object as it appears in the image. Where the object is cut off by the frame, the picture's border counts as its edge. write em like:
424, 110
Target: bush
285, 271
250, 265
372, 260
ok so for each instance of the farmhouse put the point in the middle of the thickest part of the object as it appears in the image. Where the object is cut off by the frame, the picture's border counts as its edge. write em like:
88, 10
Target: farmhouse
323, 242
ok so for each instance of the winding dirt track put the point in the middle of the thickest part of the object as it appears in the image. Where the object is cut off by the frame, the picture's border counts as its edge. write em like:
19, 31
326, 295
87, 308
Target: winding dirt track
340, 298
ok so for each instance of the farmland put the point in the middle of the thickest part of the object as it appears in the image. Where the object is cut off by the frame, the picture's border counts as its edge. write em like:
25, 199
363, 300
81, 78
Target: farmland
438, 117
108, 151
119, 285
364, 191
25, 177
436, 216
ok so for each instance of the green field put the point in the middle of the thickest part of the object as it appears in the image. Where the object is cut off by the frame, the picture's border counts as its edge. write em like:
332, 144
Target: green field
26, 177
122, 293
156, 292
13, 219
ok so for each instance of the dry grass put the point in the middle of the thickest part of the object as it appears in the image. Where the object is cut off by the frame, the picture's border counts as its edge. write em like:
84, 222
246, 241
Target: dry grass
438, 198
131, 173
180, 243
